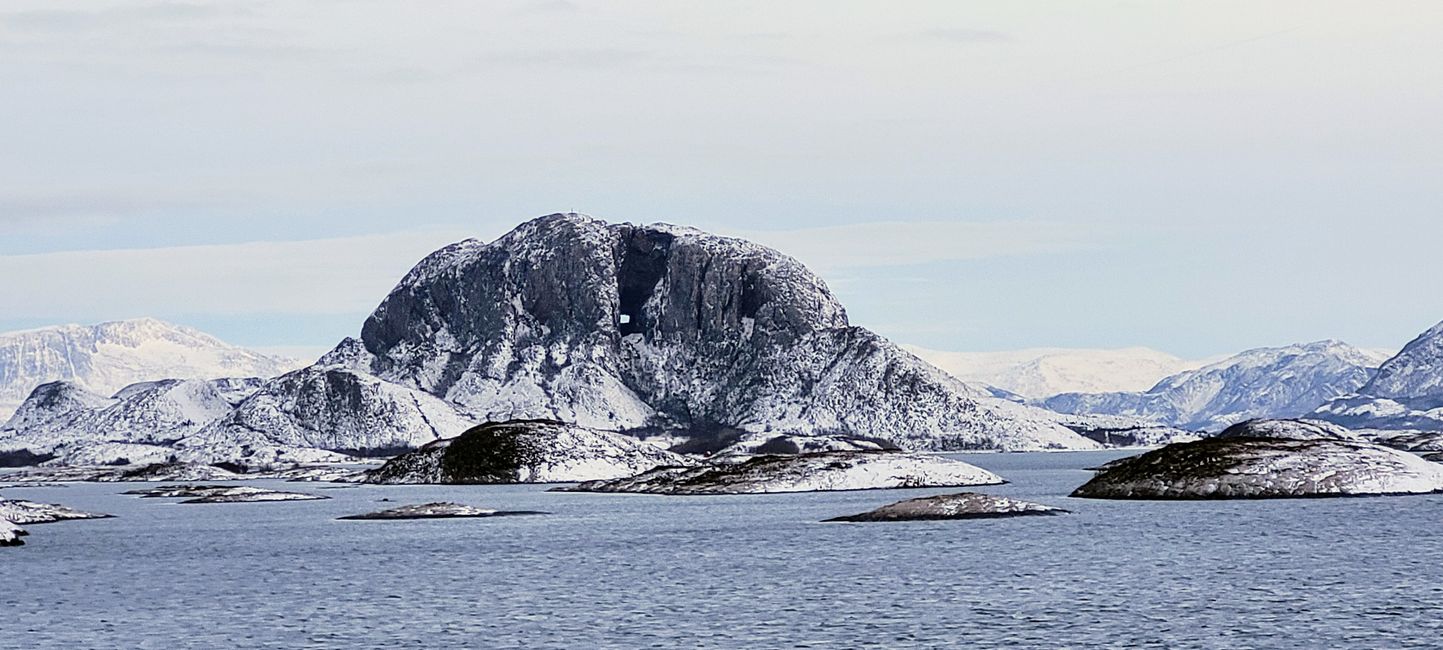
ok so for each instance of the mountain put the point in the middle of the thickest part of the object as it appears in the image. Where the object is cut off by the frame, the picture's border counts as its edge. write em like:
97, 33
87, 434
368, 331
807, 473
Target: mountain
140, 422
1406, 393
654, 331
1280, 382
1042, 372
107, 357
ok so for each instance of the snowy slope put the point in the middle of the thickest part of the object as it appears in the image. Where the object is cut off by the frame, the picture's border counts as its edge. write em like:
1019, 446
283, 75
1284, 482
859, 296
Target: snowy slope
106, 357
1043, 372
1280, 382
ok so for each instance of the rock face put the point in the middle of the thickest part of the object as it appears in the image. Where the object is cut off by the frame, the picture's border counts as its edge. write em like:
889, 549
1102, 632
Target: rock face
524, 451
1405, 395
103, 358
963, 505
438, 510
1251, 468
837, 470
1264, 383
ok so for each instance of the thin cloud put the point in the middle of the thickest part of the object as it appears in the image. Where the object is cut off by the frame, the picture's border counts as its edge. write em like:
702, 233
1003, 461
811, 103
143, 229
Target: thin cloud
326, 276
868, 245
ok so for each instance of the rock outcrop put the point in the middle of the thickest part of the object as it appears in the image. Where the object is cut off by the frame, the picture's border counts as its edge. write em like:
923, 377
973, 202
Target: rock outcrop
22, 512
963, 505
524, 451
1251, 468
836, 470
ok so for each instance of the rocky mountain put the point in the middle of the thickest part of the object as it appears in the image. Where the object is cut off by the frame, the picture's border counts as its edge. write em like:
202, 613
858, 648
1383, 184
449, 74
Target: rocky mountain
656, 331
1263, 383
107, 357
660, 330
1044, 372
1405, 395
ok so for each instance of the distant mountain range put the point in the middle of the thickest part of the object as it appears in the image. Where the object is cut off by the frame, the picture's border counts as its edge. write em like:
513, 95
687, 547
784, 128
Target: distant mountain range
1281, 382
109, 356
1043, 372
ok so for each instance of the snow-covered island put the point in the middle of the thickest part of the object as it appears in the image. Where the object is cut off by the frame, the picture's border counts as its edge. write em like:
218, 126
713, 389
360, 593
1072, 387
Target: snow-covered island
1245, 467
833, 470
524, 451
962, 505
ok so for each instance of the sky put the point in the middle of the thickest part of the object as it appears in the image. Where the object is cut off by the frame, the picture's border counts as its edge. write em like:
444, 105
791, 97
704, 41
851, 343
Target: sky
1195, 177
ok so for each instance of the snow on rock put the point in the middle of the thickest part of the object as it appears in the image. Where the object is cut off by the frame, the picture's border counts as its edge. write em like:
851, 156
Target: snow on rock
761, 444
153, 472
29, 512
437, 510
1405, 395
1415, 372
963, 505
106, 357
836, 470
666, 329
64, 424
524, 451
247, 494
1247, 468
320, 414
11, 534
1263, 383
1289, 430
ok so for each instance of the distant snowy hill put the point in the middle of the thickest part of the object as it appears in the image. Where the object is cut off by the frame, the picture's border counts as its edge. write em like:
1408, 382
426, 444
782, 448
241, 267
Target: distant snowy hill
1283, 382
107, 357
1043, 372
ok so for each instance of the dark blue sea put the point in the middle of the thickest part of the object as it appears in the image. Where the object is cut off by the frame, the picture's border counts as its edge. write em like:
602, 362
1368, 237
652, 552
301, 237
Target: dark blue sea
642, 571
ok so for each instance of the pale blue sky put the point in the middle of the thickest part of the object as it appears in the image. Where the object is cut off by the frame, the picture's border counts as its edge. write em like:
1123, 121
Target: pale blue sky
1198, 177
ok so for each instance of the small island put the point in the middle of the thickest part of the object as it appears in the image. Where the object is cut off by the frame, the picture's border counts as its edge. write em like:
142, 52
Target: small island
962, 505
437, 510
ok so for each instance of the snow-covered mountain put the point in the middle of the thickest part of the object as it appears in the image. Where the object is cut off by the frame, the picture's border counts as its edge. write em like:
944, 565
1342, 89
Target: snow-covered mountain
1405, 395
1038, 373
1280, 382
649, 330
107, 357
